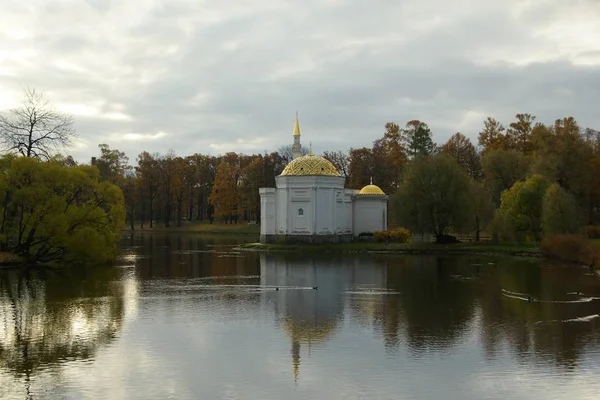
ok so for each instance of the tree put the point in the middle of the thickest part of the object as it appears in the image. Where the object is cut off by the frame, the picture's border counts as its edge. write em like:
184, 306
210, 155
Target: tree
340, 160
502, 168
482, 208
224, 195
35, 129
434, 197
492, 137
148, 172
418, 139
53, 213
563, 155
560, 213
360, 167
519, 133
113, 164
520, 214
462, 150
251, 178
288, 155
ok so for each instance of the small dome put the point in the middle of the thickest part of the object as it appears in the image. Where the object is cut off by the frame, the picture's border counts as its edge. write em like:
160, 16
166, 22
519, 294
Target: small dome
310, 165
371, 189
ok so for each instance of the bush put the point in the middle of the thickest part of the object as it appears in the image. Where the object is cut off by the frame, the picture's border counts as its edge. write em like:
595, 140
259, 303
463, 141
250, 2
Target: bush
571, 248
593, 232
398, 235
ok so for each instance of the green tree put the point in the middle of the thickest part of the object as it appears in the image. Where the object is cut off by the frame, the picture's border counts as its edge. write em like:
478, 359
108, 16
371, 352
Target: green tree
434, 197
482, 208
419, 139
53, 213
520, 214
560, 213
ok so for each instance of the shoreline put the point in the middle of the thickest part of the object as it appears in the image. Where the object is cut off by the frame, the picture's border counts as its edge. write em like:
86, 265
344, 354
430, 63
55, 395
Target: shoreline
397, 248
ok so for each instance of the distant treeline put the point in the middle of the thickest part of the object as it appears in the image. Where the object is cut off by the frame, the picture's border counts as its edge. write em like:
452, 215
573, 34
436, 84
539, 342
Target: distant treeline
501, 185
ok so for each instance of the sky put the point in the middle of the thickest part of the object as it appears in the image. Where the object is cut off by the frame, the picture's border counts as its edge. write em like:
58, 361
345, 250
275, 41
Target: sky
199, 76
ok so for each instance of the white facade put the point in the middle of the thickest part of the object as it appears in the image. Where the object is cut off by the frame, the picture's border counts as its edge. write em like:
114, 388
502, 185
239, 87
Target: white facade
307, 205
310, 204
370, 213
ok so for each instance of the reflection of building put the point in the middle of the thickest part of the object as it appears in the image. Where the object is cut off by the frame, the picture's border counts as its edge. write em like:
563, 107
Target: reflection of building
310, 204
311, 316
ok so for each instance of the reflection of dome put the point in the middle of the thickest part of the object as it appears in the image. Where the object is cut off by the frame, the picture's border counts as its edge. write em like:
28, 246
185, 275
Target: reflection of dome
371, 189
310, 165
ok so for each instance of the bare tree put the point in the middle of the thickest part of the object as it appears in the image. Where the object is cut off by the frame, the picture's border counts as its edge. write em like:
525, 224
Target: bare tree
287, 154
35, 129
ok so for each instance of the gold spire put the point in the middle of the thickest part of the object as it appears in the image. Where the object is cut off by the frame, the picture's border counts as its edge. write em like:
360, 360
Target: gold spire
310, 148
296, 126
371, 181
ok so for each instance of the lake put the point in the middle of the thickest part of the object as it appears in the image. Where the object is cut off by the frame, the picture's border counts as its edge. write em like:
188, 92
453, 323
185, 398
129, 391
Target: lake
187, 317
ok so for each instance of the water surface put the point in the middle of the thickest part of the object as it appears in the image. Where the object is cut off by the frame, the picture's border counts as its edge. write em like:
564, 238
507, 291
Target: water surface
188, 317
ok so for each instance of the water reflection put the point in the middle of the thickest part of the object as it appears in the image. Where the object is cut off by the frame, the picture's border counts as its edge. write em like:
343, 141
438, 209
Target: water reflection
48, 319
191, 317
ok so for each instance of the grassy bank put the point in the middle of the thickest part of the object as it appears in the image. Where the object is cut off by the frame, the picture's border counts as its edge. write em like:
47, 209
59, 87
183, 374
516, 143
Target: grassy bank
241, 228
529, 250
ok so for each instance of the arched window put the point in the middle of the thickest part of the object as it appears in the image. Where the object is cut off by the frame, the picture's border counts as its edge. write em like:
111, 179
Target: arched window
300, 211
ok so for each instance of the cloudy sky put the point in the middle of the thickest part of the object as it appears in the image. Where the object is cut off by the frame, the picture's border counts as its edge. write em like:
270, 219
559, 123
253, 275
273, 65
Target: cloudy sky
225, 75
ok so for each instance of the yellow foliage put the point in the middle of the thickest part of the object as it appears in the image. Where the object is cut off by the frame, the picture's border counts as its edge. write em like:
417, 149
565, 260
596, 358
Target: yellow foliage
398, 235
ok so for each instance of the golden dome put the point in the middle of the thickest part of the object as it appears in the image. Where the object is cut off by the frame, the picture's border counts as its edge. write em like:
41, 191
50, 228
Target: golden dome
310, 165
371, 189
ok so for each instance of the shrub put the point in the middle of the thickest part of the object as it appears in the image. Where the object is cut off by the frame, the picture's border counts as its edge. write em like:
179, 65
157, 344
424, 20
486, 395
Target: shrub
398, 235
593, 232
571, 248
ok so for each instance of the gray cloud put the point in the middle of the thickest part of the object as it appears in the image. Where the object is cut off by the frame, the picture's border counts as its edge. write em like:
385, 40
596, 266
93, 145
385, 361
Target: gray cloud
229, 75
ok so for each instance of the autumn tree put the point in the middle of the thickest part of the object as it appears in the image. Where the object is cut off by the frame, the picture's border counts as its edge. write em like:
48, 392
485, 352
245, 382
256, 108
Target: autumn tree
224, 194
35, 129
493, 137
360, 167
563, 156
462, 150
519, 133
251, 179
148, 172
340, 160
113, 164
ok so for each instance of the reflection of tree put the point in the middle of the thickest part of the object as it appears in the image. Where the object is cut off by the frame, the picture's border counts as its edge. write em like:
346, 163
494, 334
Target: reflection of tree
191, 256
437, 307
539, 328
49, 318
